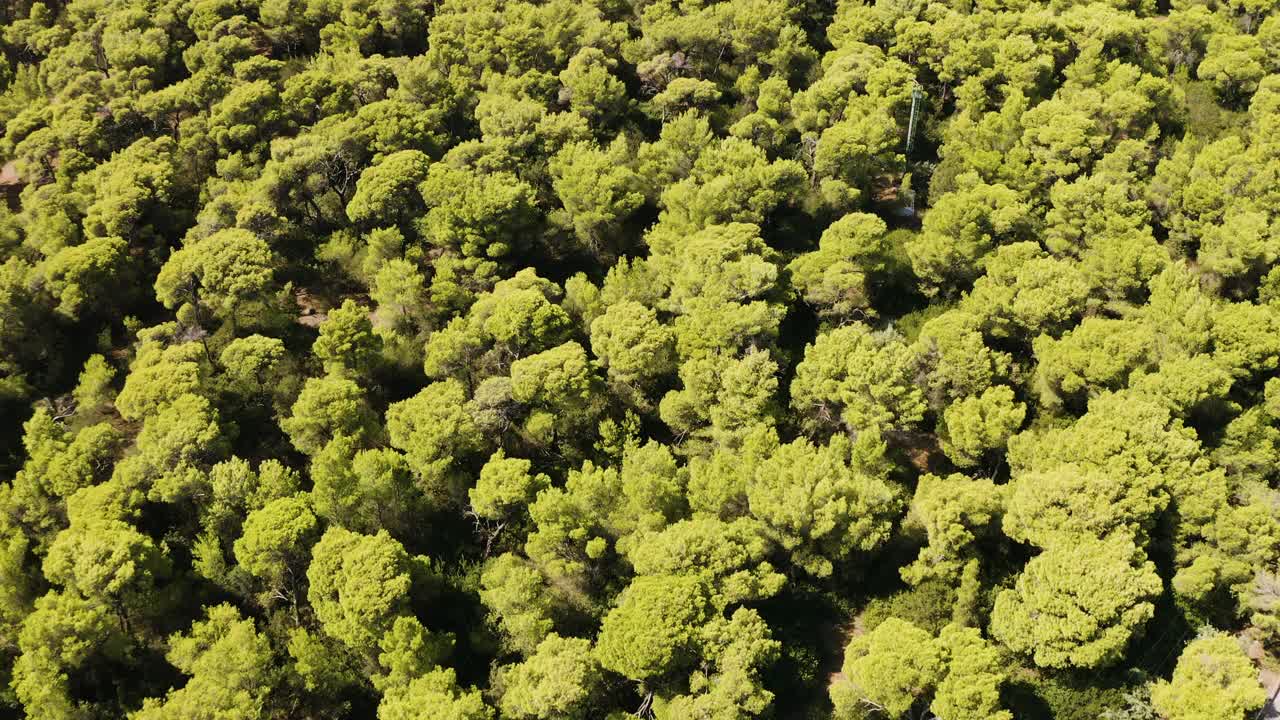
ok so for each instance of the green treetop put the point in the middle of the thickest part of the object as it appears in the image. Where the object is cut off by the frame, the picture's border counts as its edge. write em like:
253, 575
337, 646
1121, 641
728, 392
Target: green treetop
1213, 679
1078, 605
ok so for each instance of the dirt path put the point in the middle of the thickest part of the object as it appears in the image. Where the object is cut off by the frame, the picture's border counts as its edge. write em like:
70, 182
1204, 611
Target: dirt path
842, 634
1270, 680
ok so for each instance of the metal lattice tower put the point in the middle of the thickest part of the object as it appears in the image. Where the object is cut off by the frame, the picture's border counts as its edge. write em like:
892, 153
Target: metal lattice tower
917, 96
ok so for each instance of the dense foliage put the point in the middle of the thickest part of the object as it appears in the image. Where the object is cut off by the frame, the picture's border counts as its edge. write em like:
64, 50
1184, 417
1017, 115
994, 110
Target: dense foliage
691, 359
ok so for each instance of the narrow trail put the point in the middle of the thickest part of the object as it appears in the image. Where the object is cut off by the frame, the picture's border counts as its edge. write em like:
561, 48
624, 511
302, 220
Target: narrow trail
1270, 680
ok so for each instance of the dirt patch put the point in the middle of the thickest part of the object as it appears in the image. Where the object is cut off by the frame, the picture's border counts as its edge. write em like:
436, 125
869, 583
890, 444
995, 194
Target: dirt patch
9, 174
311, 310
1270, 680
11, 184
842, 636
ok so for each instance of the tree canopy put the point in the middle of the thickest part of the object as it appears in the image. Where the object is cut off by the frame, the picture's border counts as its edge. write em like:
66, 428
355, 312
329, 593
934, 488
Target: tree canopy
668, 359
